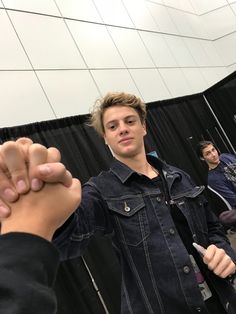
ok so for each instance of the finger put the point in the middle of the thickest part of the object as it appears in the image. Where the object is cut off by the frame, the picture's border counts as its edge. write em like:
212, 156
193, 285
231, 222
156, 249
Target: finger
5, 210
12, 157
227, 271
216, 259
24, 141
24, 144
38, 154
7, 189
75, 190
53, 173
54, 155
209, 254
75, 198
224, 264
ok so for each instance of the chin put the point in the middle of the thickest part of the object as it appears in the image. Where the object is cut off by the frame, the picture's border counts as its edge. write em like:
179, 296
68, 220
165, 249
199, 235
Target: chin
126, 154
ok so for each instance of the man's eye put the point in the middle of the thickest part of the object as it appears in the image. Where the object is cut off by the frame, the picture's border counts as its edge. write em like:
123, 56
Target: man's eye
130, 121
111, 127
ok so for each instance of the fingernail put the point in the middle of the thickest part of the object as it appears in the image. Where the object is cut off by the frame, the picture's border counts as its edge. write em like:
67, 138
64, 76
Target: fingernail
10, 195
36, 184
21, 186
44, 170
4, 211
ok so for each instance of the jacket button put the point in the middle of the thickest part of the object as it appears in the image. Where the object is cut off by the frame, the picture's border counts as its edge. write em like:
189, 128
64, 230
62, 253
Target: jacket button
158, 199
172, 231
127, 208
186, 269
198, 309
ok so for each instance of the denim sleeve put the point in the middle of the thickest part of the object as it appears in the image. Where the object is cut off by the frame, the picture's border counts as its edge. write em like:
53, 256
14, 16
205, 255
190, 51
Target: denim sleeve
88, 220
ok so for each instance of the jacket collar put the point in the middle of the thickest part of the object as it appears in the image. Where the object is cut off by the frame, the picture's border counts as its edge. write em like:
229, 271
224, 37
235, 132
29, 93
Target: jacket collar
123, 172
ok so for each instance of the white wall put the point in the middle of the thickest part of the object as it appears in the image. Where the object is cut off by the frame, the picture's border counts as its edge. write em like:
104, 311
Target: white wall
58, 56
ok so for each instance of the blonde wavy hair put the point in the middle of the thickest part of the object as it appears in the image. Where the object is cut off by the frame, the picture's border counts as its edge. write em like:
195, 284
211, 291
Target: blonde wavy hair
111, 100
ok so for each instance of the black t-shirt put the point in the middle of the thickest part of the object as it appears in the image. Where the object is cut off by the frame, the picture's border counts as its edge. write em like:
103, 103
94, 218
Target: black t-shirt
213, 304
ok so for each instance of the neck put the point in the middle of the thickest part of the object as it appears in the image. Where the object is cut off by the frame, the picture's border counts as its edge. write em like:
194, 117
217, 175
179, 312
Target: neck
139, 164
212, 166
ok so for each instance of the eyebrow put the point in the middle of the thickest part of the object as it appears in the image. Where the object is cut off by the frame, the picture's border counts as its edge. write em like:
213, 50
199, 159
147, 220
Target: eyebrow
126, 117
209, 150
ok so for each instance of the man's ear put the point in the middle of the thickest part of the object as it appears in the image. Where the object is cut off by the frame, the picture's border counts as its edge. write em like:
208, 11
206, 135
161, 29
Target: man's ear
145, 128
104, 137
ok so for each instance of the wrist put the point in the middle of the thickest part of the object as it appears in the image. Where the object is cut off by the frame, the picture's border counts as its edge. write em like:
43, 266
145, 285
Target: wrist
38, 230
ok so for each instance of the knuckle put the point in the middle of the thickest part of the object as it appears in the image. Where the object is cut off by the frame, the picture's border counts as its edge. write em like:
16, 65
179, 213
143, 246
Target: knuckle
24, 141
37, 147
37, 154
3, 166
8, 147
54, 154
18, 174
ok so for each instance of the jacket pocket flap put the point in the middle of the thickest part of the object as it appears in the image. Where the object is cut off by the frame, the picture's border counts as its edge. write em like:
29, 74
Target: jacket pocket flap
126, 206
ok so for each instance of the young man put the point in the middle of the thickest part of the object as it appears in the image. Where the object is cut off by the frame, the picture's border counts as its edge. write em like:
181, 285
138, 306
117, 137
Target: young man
221, 170
29, 262
154, 212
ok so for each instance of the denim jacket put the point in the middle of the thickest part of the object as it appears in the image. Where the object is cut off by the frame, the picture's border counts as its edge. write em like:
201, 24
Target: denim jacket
157, 274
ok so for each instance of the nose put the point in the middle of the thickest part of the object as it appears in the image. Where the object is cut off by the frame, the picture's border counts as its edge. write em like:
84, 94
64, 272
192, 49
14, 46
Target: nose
123, 129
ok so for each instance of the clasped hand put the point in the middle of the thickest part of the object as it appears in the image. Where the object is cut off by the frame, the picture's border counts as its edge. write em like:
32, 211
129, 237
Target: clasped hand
37, 192
218, 261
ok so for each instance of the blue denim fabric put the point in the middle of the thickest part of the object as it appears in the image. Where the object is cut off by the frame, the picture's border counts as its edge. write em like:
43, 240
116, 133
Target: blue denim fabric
157, 274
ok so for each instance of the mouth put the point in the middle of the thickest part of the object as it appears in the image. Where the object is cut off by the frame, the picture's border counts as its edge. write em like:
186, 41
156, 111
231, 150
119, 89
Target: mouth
125, 140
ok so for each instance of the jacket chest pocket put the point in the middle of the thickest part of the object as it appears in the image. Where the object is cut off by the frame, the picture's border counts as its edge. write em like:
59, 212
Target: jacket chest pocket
130, 218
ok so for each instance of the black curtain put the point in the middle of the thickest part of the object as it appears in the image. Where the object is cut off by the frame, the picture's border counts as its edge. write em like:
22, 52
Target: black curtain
222, 99
84, 154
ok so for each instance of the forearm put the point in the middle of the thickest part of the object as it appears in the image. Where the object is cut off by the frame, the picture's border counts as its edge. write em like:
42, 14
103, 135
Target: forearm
90, 218
31, 226
72, 238
28, 267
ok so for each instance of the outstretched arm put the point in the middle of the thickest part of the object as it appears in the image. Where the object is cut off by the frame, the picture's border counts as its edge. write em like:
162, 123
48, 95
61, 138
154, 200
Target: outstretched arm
28, 268
29, 262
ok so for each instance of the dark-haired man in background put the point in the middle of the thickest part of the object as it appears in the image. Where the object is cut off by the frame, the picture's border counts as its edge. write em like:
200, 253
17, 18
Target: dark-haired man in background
221, 170
221, 175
